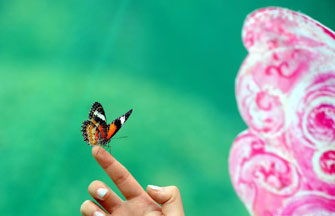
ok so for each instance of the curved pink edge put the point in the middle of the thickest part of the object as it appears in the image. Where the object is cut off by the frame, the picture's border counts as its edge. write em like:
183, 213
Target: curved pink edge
307, 28
325, 29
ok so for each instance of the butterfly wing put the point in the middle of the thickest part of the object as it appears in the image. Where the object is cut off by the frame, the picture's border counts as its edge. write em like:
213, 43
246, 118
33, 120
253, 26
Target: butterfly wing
96, 131
97, 115
90, 132
117, 124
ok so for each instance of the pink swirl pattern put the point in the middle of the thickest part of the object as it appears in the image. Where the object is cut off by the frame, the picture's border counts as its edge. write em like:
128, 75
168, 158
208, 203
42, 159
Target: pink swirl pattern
284, 163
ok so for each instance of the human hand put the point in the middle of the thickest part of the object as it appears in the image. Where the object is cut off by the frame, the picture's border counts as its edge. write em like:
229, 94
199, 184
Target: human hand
156, 201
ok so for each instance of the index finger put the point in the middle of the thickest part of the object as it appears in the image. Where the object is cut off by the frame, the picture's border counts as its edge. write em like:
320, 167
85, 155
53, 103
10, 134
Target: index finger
121, 177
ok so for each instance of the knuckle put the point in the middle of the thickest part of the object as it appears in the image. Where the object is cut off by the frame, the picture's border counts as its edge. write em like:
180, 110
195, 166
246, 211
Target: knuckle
109, 163
175, 190
175, 193
122, 178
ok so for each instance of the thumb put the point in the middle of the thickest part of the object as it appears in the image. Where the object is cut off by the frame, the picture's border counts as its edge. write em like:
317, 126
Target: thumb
169, 198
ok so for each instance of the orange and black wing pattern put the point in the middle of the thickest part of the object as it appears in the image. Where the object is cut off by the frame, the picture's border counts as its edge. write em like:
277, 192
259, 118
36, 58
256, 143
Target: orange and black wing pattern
90, 132
115, 126
96, 131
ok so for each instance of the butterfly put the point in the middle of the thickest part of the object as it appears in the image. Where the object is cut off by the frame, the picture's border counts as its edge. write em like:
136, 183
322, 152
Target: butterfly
96, 131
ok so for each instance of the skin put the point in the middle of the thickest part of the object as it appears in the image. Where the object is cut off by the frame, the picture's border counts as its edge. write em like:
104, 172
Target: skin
157, 201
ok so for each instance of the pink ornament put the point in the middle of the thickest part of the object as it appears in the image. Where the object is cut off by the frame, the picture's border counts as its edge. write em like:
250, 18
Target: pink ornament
284, 163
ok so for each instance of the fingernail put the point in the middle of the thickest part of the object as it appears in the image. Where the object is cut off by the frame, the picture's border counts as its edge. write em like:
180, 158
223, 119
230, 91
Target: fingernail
102, 192
97, 213
153, 187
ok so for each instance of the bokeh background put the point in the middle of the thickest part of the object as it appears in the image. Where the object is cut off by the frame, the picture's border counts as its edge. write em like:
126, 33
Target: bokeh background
174, 62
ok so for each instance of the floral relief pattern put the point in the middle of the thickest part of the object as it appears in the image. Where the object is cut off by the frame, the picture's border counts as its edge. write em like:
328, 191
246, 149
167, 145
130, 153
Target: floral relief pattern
284, 163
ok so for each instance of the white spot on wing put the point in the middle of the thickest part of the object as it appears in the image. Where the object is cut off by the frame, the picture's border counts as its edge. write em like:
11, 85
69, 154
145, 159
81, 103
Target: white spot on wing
99, 115
122, 119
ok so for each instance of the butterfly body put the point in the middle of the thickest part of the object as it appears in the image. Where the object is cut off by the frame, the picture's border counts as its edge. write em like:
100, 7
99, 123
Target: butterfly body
96, 131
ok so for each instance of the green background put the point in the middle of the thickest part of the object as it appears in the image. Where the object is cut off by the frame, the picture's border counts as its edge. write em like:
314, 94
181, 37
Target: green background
174, 62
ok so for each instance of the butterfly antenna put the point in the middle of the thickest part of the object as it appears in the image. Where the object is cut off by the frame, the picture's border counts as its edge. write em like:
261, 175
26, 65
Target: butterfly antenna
121, 137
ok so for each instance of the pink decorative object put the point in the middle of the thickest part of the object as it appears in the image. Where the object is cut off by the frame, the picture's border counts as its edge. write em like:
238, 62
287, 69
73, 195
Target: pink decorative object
284, 163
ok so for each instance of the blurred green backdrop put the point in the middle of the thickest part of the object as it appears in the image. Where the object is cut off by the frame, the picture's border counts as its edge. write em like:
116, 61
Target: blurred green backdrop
173, 62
